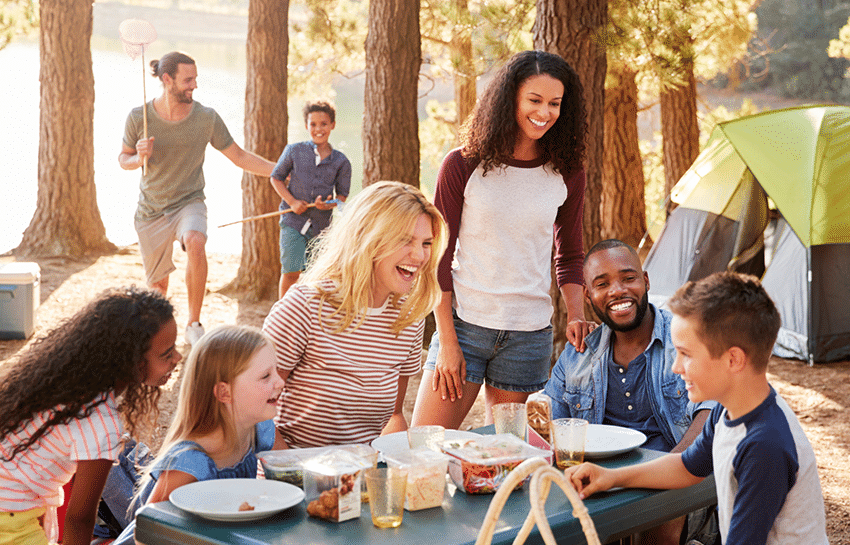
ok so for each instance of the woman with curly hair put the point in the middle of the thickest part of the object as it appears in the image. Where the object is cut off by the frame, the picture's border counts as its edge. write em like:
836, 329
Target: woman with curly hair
517, 174
59, 414
348, 335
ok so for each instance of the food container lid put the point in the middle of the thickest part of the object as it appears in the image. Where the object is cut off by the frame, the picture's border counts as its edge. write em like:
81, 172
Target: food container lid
493, 449
293, 456
417, 458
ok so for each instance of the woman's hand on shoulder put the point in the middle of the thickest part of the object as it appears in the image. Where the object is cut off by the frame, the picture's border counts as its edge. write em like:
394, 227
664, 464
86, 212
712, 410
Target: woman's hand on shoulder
449, 371
577, 330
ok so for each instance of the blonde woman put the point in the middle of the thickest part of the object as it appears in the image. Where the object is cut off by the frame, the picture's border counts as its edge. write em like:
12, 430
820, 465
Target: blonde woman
223, 418
349, 335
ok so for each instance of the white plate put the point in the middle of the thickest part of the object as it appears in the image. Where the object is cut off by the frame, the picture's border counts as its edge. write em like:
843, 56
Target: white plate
603, 440
219, 499
397, 442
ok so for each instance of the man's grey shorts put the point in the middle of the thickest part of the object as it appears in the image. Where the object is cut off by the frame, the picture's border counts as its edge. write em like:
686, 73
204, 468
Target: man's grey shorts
156, 237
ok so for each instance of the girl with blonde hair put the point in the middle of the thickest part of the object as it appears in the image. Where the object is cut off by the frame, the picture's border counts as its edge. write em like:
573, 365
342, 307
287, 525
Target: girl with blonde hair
349, 334
223, 417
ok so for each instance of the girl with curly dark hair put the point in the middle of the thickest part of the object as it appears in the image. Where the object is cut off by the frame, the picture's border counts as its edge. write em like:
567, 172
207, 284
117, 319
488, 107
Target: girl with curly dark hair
59, 415
518, 173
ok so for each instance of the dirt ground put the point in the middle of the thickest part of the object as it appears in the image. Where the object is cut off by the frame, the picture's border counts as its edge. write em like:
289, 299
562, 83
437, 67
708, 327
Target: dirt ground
819, 394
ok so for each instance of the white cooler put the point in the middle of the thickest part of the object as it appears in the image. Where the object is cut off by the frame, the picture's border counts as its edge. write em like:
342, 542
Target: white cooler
19, 298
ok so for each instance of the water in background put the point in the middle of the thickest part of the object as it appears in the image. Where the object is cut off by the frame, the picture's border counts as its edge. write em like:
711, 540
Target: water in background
218, 45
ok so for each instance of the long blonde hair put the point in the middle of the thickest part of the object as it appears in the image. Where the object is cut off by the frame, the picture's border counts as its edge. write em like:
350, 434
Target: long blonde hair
377, 222
219, 356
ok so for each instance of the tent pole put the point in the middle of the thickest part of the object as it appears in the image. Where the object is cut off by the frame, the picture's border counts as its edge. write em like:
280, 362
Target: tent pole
810, 338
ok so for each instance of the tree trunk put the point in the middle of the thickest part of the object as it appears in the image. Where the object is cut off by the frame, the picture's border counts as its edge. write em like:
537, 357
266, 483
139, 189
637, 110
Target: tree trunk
266, 122
570, 28
390, 121
679, 127
67, 219
623, 208
464, 73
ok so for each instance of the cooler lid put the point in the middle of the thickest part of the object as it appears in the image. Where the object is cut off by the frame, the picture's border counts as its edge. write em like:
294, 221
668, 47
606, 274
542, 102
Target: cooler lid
19, 272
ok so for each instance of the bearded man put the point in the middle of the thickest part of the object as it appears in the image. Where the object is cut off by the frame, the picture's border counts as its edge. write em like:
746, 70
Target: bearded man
171, 201
624, 377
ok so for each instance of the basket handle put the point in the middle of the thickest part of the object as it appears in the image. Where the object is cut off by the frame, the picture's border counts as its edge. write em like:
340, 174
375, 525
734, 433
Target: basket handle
542, 475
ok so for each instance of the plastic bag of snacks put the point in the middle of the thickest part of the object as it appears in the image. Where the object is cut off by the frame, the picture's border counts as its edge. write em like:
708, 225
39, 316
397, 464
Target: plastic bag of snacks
538, 408
426, 476
480, 466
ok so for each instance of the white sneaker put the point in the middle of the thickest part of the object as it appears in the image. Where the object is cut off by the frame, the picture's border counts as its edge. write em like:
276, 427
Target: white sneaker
194, 331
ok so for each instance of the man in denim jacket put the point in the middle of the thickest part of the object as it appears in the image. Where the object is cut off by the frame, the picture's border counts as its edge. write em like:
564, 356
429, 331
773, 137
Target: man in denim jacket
624, 377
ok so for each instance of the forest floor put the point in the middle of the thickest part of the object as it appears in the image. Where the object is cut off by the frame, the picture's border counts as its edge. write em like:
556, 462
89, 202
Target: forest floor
819, 395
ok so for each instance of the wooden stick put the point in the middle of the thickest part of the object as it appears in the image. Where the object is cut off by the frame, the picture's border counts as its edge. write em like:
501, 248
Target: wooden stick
276, 213
144, 110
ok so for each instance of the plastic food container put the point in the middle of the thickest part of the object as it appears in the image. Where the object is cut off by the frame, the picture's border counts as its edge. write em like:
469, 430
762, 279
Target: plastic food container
480, 466
426, 477
287, 465
332, 485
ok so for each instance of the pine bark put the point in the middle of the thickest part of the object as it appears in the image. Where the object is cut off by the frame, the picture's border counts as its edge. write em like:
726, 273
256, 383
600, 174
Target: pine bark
571, 29
464, 78
623, 208
66, 220
679, 127
390, 120
266, 122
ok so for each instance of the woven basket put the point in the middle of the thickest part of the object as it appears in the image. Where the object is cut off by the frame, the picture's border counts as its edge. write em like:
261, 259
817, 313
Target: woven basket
542, 476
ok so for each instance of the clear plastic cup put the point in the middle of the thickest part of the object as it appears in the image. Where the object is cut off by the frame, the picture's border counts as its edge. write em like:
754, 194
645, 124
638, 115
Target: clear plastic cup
568, 437
386, 495
510, 418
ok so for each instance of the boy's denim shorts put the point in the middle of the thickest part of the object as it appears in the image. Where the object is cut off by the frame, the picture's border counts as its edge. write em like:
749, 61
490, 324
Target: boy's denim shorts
514, 361
294, 250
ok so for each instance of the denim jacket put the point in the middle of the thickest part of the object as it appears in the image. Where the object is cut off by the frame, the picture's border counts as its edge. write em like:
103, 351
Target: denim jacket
578, 382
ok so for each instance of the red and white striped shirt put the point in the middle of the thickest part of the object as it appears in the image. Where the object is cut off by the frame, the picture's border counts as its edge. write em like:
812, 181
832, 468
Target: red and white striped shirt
341, 387
35, 477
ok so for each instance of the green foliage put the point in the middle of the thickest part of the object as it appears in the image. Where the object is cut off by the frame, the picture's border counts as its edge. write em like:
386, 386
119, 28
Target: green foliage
803, 58
493, 29
653, 168
326, 40
666, 37
436, 132
17, 17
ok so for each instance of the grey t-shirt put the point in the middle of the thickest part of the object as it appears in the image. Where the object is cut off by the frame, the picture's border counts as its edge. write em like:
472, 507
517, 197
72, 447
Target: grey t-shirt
174, 176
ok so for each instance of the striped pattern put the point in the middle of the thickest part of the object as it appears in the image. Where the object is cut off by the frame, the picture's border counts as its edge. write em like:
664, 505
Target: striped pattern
34, 478
341, 387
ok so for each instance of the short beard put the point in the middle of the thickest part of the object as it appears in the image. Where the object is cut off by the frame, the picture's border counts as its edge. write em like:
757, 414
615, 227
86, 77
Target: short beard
643, 306
181, 98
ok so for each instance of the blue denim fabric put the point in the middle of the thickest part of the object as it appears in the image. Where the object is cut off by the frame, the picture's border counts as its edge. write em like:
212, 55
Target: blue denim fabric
514, 361
578, 382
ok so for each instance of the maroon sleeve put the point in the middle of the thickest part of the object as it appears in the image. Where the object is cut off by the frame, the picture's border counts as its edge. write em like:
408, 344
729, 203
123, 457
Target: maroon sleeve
448, 198
569, 236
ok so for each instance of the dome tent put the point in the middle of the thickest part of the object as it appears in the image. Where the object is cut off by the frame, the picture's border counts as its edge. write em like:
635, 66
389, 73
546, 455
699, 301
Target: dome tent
798, 158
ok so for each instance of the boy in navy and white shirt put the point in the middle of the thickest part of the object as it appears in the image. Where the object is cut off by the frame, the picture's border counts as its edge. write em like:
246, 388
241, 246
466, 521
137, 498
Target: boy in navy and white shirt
768, 490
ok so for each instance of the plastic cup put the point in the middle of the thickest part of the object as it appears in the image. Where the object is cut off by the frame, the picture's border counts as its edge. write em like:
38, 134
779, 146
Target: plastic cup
569, 436
386, 495
510, 418
426, 436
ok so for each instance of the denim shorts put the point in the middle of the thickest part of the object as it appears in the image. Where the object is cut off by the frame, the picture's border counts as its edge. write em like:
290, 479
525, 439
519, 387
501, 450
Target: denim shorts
514, 361
294, 250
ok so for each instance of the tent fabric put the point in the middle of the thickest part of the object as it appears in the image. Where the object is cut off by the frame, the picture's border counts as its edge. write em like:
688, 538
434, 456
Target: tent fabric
800, 159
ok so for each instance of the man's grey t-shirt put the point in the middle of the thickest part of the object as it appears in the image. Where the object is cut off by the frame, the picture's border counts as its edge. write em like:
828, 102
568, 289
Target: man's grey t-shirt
174, 176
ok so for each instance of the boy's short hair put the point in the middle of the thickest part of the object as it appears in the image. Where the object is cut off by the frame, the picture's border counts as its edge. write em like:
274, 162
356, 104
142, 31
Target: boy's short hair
732, 309
320, 106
